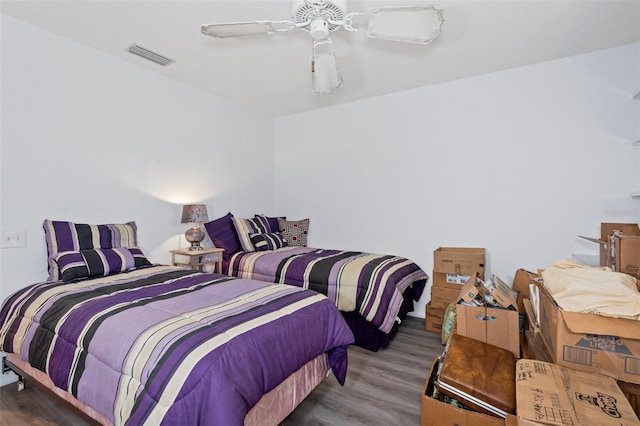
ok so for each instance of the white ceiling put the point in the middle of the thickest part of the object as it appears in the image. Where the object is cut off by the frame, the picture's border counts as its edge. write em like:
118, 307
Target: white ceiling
272, 74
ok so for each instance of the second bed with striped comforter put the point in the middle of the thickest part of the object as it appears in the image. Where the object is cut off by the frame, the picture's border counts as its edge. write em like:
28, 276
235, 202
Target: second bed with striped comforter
369, 284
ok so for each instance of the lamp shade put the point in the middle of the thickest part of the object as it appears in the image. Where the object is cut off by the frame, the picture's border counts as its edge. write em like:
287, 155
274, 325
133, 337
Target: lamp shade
194, 213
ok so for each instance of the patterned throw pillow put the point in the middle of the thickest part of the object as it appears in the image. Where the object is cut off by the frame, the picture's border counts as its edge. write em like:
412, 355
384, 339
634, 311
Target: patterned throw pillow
270, 241
294, 232
223, 235
78, 265
68, 236
246, 227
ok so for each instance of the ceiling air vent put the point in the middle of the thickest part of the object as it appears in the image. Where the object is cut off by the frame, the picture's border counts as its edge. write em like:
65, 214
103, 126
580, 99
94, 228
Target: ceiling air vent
148, 54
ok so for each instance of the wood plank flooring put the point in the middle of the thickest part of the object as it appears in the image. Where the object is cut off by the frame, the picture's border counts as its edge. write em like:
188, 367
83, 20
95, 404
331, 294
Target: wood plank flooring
382, 388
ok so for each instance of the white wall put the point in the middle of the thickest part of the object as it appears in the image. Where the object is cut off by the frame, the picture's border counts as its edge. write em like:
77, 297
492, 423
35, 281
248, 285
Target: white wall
520, 162
92, 139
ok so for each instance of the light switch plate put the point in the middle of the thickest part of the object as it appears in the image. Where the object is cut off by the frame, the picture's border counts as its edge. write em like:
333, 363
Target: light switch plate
10, 238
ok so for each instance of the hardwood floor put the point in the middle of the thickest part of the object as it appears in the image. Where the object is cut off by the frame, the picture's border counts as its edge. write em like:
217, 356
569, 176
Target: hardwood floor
382, 388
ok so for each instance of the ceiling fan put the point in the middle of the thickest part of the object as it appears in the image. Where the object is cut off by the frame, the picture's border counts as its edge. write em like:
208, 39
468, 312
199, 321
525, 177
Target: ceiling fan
409, 24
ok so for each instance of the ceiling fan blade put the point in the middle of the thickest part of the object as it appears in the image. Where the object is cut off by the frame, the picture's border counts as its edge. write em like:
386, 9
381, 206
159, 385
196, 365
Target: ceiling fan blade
245, 29
409, 24
325, 68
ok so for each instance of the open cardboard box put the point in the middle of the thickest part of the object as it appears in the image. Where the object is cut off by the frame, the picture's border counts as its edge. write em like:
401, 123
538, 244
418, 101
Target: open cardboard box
592, 343
619, 247
499, 327
438, 413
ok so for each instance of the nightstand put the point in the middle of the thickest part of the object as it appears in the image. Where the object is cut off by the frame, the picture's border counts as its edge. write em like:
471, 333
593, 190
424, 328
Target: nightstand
195, 262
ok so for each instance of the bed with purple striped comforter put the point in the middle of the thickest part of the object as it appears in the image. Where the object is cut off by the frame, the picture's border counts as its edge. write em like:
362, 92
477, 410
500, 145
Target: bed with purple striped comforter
164, 345
369, 284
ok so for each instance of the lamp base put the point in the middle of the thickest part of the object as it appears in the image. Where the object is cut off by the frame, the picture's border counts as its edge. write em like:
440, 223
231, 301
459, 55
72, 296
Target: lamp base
194, 236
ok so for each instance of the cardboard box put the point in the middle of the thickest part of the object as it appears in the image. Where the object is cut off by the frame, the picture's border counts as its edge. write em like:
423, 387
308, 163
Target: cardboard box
521, 282
438, 413
434, 318
619, 247
441, 297
459, 260
532, 322
499, 327
592, 343
592, 399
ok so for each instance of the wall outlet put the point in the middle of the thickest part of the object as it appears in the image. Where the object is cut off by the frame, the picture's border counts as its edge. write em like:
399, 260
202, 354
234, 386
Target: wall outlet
13, 238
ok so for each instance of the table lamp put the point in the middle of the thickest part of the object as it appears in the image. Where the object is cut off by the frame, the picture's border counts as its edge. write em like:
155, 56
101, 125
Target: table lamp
194, 214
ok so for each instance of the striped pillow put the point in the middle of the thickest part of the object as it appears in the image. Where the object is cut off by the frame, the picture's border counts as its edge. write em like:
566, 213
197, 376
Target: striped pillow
270, 241
68, 236
78, 265
246, 227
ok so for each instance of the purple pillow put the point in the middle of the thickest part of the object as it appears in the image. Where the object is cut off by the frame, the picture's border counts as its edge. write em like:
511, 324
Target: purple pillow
78, 265
223, 235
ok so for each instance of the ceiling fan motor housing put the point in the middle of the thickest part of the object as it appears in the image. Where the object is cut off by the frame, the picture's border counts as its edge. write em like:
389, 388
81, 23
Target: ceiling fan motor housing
310, 10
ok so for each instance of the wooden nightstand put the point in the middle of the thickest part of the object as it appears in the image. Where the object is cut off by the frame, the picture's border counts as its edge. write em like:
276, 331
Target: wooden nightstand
214, 256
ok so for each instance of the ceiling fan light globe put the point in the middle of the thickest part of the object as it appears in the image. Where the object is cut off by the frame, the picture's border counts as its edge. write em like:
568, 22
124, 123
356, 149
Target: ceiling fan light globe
319, 29
420, 24
325, 75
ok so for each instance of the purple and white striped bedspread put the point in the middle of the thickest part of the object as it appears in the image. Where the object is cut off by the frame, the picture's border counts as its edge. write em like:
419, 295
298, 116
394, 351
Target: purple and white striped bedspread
370, 284
164, 345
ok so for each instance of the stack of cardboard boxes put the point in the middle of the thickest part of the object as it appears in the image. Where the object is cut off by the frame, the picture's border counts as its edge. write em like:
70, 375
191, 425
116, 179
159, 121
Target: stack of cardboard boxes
452, 268
571, 350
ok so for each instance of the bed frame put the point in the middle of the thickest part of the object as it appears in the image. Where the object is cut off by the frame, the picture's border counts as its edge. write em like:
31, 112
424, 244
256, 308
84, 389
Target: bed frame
8, 366
369, 336
272, 408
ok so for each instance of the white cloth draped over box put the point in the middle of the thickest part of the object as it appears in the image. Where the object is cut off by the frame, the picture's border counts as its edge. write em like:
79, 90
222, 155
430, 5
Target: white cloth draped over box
596, 290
